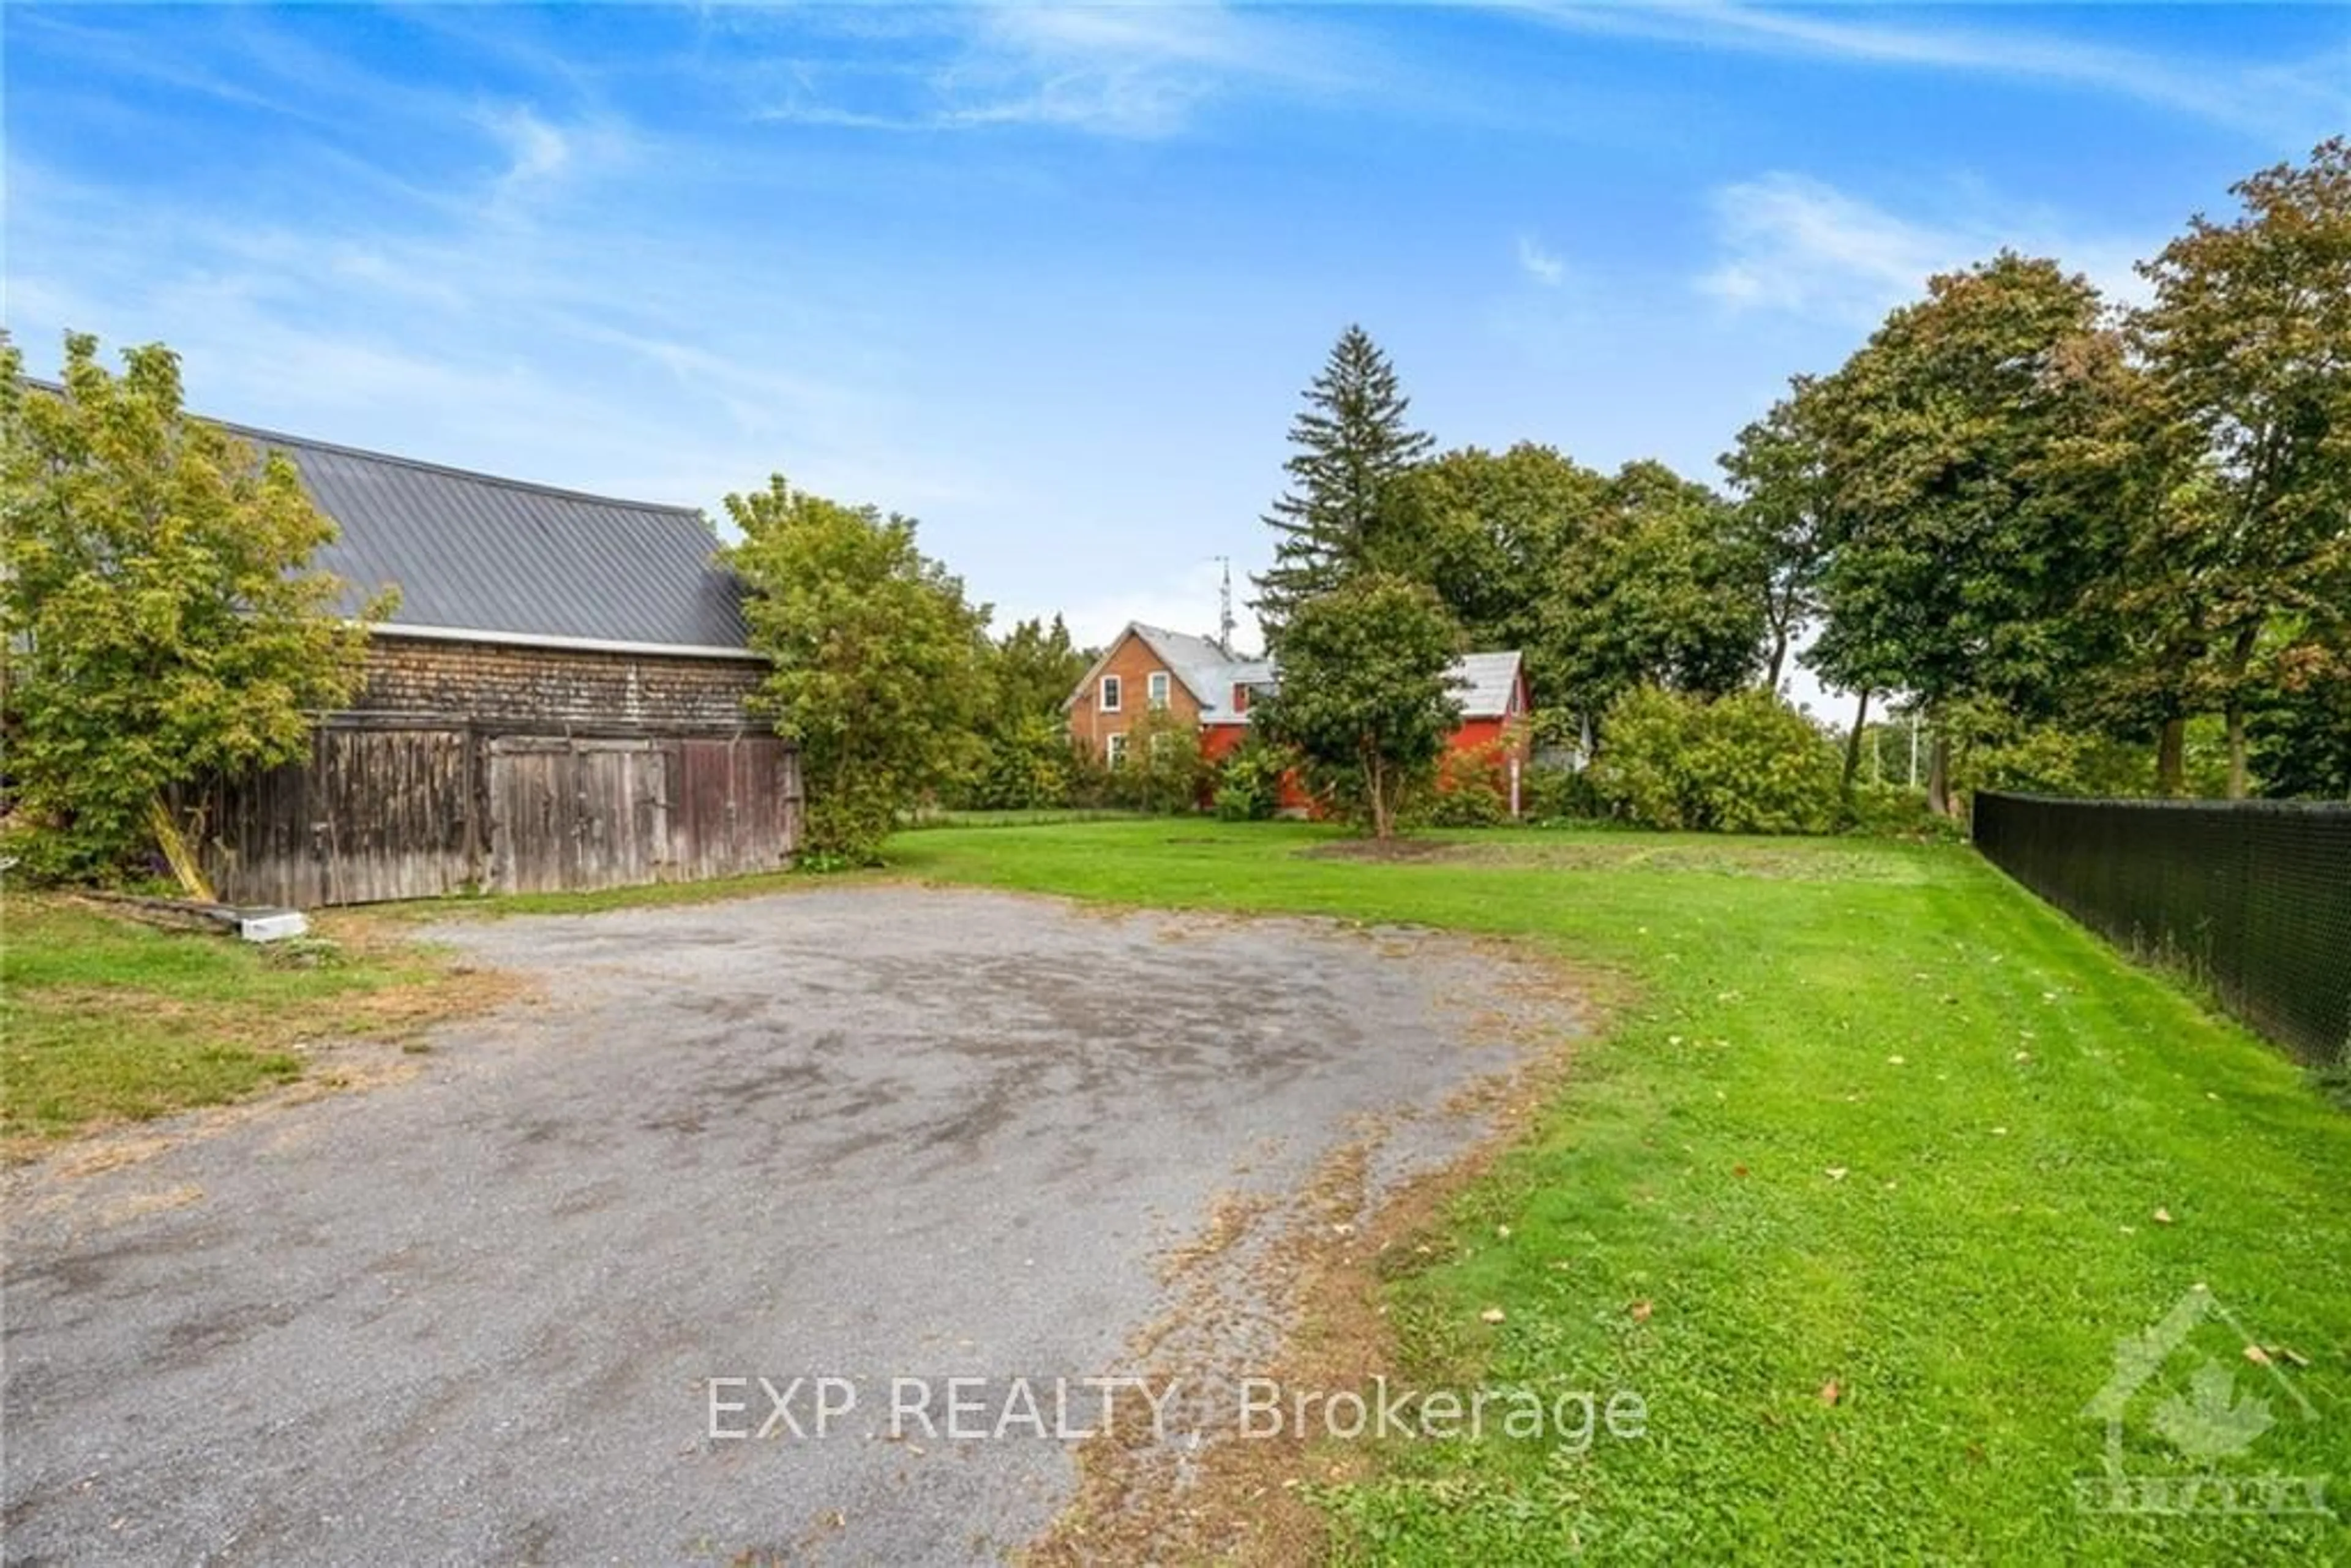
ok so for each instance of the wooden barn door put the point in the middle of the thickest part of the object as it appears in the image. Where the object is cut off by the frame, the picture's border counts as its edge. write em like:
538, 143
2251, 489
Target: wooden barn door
577, 813
737, 805
372, 814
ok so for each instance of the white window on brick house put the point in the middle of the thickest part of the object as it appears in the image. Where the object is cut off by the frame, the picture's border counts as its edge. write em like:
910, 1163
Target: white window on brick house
1112, 690
1155, 685
1117, 747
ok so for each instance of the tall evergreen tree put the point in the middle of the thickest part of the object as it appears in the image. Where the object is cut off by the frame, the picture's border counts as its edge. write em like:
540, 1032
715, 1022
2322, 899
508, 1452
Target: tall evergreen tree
1353, 443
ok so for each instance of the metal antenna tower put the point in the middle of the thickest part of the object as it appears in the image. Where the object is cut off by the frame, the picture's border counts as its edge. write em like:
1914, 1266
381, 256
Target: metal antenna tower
1225, 606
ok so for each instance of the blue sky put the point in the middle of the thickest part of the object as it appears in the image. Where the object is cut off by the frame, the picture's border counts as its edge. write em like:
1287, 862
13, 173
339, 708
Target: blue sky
1052, 280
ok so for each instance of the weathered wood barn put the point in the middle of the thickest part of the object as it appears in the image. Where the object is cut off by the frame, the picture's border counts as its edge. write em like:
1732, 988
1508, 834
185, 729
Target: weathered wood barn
557, 702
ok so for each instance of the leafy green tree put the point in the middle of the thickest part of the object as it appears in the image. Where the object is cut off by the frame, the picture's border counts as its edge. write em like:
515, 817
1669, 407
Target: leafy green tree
879, 672
1962, 531
1779, 470
1352, 446
1028, 762
2302, 739
1992, 748
1488, 530
1659, 591
1035, 667
2156, 610
2248, 343
162, 618
1364, 699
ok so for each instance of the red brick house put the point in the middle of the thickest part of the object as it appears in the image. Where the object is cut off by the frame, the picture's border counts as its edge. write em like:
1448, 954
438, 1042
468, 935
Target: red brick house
1211, 689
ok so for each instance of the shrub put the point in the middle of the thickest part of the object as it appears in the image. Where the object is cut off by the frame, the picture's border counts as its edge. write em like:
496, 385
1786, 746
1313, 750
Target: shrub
1471, 790
1894, 812
1746, 763
1031, 765
1162, 769
1560, 795
1248, 782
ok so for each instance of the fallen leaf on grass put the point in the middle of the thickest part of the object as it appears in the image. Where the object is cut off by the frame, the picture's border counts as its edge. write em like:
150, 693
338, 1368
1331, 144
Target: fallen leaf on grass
1830, 1392
2163, 1216
1641, 1311
1837, 1172
1491, 1315
1893, 1061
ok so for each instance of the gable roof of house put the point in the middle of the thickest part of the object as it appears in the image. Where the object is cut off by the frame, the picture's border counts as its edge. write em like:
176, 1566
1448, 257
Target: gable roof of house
1484, 683
490, 559
1207, 671
1488, 682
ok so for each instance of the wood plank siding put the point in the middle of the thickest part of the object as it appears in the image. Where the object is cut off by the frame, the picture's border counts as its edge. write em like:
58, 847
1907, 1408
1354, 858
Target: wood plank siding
508, 770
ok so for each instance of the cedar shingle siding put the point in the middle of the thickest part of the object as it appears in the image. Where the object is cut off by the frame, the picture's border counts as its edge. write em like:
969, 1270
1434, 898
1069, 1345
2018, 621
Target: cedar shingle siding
559, 685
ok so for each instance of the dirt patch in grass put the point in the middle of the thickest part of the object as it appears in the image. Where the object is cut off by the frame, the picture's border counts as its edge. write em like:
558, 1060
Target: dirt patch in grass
1796, 861
1381, 851
1321, 1263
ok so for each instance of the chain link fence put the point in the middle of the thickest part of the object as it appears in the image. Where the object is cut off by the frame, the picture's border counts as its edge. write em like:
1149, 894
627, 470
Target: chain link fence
2252, 897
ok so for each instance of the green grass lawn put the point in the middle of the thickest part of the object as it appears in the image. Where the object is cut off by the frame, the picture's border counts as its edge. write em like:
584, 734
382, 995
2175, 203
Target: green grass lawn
104, 1019
1865, 1116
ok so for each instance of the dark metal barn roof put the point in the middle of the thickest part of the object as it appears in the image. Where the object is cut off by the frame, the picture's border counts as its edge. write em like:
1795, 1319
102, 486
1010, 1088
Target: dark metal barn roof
470, 552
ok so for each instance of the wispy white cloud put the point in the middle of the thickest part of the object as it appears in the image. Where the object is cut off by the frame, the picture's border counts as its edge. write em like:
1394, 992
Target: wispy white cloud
1136, 72
1799, 244
535, 149
1793, 243
1539, 264
537, 155
2294, 99
539, 350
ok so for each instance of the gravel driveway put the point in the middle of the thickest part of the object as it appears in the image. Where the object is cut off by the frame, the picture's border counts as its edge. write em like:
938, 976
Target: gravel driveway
855, 1132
